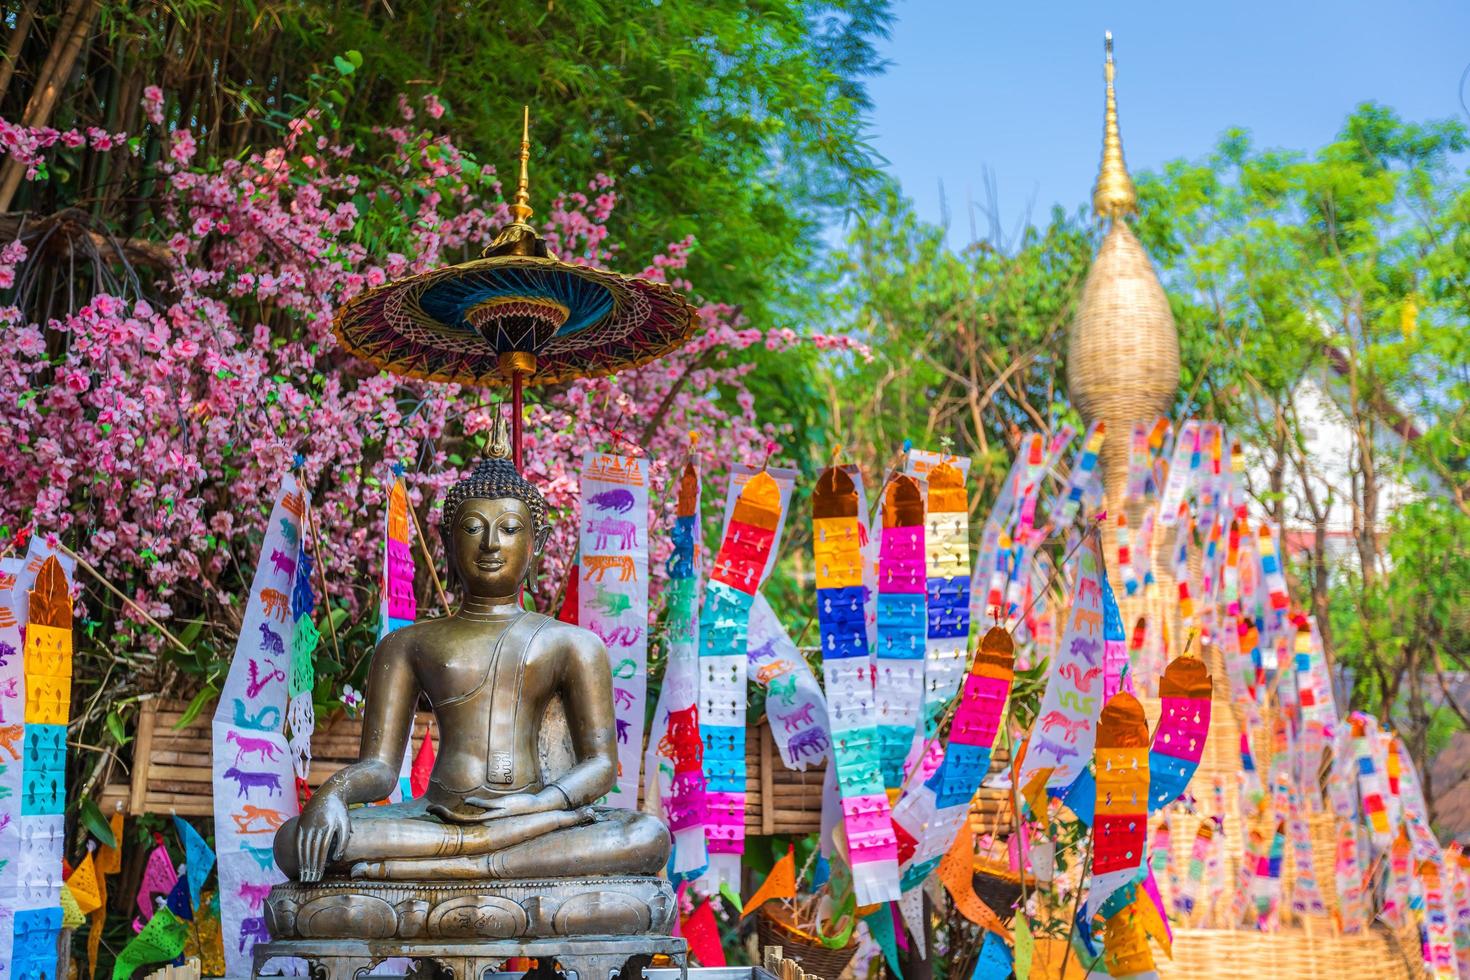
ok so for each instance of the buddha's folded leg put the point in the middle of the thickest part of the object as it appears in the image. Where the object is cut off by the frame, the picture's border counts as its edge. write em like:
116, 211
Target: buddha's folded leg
435, 840
617, 842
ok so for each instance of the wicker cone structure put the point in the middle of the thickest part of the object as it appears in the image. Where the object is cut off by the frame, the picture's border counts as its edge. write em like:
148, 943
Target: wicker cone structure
1122, 369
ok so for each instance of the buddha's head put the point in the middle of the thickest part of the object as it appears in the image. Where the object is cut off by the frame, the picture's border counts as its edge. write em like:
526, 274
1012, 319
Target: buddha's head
494, 527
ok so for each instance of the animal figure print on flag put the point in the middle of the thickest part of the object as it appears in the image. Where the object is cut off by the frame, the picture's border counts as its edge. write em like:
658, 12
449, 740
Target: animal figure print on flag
612, 597
674, 762
253, 773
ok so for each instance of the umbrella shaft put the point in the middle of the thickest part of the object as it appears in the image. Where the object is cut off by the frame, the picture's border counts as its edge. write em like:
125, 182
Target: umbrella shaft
515, 417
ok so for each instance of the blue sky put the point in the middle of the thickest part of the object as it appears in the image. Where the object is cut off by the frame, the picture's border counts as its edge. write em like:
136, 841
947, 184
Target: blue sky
1018, 87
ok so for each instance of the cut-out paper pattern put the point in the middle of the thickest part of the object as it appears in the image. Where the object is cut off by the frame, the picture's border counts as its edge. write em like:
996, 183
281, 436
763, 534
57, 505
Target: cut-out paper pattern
947, 567
1179, 738
397, 604
12, 721
837, 540
902, 626
1120, 821
795, 705
675, 752
612, 597
741, 565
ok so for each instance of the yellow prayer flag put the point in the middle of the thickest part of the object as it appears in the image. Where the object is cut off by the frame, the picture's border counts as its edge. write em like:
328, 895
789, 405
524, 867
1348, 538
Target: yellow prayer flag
780, 883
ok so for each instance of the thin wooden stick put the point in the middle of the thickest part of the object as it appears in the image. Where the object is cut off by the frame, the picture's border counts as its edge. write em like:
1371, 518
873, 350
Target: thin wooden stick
321, 579
428, 558
87, 567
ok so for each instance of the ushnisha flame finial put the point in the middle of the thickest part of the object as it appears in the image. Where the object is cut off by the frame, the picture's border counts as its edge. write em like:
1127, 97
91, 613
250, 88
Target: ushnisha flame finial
520, 210
1113, 196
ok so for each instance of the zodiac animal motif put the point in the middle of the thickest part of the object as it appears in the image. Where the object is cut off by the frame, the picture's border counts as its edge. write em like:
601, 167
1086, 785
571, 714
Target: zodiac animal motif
619, 636
1085, 648
1083, 679
264, 856
267, 750
254, 894
597, 566
295, 505
620, 501
271, 640
1088, 618
288, 531
252, 931
612, 604
269, 781
1079, 704
813, 741
793, 721
284, 563
1088, 588
9, 735
249, 813
1057, 750
6, 652
268, 718
257, 682
623, 730
622, 697
276, 604
626, 668
769, 672
1070, 726
626, 532
784, 688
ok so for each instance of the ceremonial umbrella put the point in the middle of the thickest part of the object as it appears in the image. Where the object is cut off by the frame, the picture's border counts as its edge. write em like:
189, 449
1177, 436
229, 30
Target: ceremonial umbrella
516, 315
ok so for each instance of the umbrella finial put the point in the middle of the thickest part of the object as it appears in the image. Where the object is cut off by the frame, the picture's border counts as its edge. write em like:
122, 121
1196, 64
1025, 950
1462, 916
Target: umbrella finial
500, 447
520, 211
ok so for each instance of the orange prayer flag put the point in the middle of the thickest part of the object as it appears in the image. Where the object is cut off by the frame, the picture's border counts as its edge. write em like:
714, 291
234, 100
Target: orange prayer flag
957, 871
83, 886
780, 883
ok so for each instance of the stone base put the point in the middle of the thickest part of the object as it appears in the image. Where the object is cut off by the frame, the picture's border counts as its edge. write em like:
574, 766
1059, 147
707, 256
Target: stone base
426, 911
586, 958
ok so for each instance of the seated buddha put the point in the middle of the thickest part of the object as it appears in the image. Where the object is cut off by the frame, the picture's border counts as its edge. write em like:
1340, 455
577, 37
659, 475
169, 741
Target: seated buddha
489, 672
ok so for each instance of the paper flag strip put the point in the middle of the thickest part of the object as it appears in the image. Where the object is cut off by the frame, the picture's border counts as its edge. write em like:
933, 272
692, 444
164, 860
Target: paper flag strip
703, 936
613, 597
83, 885
994, 961
198, 859
881, 928
935, 806
947, 567
899, 681
1179, 738
780, 883
673, 763
423, 766
1125, 944
161, 940
71, 912
1120, 824
159, 878
1065, 730
837, 539
957, 871
739, 569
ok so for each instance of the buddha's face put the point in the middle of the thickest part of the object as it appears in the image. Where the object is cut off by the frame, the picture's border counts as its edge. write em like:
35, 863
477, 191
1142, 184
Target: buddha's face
494, 545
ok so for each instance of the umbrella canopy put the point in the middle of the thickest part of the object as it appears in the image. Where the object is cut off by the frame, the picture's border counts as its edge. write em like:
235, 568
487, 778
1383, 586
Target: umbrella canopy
518, 310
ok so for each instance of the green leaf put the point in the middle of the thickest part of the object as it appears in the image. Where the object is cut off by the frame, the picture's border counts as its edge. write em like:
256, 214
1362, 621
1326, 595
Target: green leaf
205, 696
115, 728
344, 67
96, 823
355, 57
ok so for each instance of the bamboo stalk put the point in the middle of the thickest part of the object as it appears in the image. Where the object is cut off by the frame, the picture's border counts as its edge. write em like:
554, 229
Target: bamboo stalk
429, 559
321, 578
18, 38
86, 566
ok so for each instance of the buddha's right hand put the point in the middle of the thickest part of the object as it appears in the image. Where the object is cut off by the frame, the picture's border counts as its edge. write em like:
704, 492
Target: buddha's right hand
321, 834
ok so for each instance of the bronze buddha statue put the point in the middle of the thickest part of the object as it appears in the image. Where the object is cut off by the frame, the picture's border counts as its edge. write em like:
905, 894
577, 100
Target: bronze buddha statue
489, 672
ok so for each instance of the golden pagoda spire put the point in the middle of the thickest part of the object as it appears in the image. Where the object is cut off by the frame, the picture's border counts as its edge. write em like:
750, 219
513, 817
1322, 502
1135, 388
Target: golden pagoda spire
519, 237
1113, 195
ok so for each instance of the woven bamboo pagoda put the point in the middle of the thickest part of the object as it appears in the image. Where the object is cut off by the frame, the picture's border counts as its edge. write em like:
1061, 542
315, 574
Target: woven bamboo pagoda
1123, 369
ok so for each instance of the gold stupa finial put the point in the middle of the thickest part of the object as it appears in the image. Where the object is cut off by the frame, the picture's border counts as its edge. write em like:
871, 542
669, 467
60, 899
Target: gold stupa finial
1113, 196
520, 209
